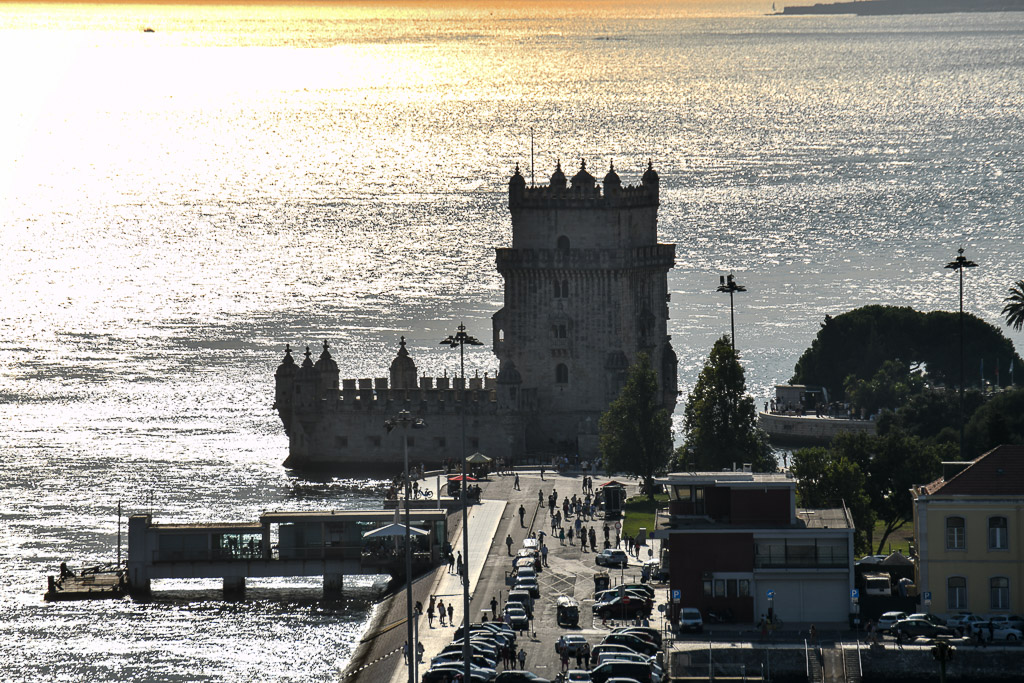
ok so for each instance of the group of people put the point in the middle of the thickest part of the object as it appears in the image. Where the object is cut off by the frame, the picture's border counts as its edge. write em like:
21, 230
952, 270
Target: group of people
443, 611
582, 655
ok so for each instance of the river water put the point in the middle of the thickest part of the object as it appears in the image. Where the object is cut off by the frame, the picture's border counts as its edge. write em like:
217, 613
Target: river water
177, 205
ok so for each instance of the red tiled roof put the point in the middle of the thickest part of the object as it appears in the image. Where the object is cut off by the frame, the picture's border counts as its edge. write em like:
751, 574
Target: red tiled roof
999, 472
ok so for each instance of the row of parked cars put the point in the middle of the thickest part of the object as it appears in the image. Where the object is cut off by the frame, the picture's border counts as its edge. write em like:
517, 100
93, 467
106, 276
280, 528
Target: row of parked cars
629, 652
486, 641
1003, 626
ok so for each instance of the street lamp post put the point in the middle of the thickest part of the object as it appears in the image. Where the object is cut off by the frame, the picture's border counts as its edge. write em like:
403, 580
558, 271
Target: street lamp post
404, 419
460, 339
728, 284
959, 264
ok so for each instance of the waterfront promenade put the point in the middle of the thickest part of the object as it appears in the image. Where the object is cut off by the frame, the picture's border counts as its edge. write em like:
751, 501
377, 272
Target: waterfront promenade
570, 572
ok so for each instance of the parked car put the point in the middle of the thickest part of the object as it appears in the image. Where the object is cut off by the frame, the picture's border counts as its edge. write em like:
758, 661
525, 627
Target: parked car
632, 642
997, 632
690, 620
636, 671
653, 632
456, 658
914, 628
929, 617
641, 587
519, 677
530, 585
598, 650
571, 643
620, 608
887, 620
516, 617
490, 627
484, 673
611, 557
610, 593
1011, 620
577, 676
522, 596
965, 622
447, 674
629, 657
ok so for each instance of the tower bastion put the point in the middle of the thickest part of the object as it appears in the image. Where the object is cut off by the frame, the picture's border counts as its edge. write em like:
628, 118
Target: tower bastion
586, 292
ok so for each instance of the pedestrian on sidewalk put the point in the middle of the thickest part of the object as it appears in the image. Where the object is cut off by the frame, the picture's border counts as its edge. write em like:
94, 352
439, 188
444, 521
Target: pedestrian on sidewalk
494, 607
440, 611
515, 484
451, 563
451, 615
544, 553
583, 539
570, 535
522, 658
522, 516
508, 543
419, 651
540, 497
430, 613
561, 535
542, 472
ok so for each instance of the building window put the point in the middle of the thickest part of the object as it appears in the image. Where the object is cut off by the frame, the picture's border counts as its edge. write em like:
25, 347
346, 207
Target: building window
956, 592
997, 536
744, 588
719, 588
999, 593
563, 242
955, 536
707, 588
698, 500
561, 374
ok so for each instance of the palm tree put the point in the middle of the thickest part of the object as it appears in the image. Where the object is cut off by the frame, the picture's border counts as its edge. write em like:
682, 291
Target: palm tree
1014, 308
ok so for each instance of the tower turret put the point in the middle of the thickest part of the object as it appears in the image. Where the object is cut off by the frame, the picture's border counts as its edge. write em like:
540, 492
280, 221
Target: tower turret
284, 378
304, 395
516, 186
326, 373
403, 370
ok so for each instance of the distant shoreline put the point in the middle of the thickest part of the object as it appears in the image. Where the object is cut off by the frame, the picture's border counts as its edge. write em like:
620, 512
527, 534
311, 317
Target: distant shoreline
892, 7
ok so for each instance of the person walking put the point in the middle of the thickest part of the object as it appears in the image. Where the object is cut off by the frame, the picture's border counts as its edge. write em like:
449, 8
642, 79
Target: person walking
405, 651
570, 535
540, 497
441, 612
451, 563
451, 614
522, 658
544, 553
494, 607
515, 484
508, 544
522, 516
430, 613
561, 535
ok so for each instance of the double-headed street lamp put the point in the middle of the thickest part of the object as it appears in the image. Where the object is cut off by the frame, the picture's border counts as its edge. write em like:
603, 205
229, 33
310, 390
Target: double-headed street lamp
959, 264
728, 284
404, 419
460, 339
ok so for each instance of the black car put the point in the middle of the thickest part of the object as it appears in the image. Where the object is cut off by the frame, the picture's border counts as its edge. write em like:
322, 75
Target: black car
448, 675
633, 642
621, 608
912, 628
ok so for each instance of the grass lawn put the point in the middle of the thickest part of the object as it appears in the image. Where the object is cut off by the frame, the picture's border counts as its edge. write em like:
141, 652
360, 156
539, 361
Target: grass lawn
898, 540
639, 513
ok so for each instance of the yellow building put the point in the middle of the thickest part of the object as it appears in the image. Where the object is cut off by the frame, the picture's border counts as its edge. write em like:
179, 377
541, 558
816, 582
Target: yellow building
969, 531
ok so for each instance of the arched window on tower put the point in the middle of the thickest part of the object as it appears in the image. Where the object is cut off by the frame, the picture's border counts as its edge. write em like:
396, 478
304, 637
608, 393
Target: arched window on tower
561, 374
565, 289
558, 289
563, 242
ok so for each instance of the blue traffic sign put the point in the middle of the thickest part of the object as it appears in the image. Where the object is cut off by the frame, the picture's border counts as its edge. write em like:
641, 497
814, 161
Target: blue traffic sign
771, 594
854, 594
927, 596
677, 595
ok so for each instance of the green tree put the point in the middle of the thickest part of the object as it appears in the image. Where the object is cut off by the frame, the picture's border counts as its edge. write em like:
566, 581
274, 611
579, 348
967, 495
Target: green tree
890, 387
1014, 308
999, 421
720, 420
860, 341
636, 430
828, 480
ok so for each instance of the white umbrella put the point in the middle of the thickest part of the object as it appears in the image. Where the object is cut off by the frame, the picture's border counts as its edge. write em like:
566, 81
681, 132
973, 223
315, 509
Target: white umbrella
394, 530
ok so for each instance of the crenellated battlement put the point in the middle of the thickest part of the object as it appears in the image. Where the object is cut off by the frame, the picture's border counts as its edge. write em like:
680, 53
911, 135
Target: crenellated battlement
584, 192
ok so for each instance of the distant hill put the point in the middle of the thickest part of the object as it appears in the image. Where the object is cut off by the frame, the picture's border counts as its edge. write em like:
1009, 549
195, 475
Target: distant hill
883, 7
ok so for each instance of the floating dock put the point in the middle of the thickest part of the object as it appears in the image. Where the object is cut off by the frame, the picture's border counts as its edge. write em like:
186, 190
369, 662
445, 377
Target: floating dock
105, 581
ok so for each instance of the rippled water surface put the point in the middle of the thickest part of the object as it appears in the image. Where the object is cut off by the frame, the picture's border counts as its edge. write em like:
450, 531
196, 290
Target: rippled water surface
176, 206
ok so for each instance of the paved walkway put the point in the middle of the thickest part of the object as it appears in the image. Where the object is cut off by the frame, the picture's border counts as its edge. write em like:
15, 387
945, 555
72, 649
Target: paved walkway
483, 522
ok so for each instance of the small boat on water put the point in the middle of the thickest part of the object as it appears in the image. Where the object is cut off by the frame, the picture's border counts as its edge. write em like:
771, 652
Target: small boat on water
89, 583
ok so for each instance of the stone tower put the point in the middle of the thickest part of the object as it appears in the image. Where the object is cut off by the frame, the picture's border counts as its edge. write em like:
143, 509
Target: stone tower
586, 291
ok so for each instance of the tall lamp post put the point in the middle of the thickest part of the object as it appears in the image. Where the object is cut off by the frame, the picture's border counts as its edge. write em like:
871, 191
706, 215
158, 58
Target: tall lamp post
959, 264
728, 284
404, 419
460, 339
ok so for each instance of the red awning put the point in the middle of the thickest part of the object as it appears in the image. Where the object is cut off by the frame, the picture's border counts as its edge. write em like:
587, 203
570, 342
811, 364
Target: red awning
458, 477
